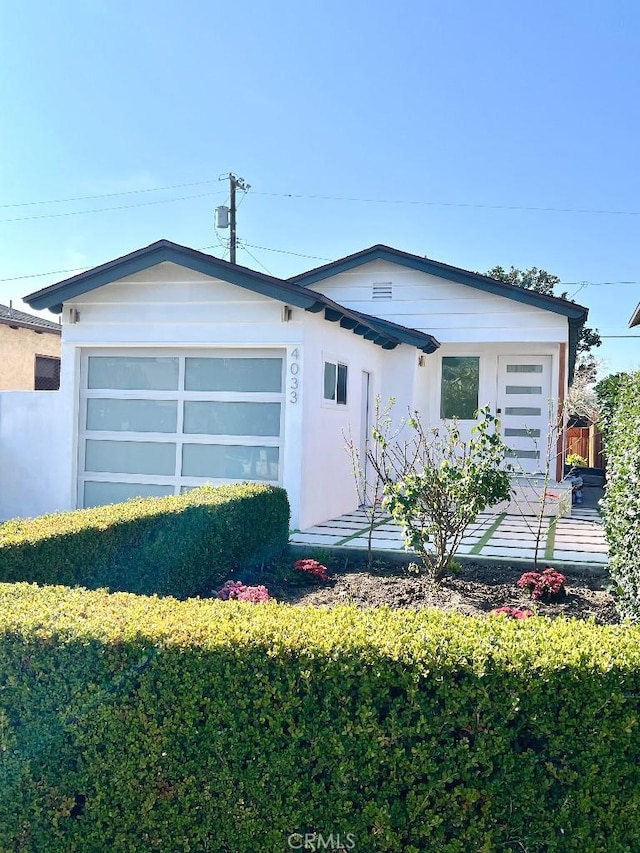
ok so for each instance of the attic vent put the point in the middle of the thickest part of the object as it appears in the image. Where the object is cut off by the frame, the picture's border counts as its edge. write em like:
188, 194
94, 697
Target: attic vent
382, 290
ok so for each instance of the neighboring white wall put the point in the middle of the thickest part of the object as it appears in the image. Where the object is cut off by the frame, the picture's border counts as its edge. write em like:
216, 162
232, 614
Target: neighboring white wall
449, 311
35, 453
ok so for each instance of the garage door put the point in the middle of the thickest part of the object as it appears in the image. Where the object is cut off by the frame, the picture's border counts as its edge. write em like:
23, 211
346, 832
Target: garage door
158, 422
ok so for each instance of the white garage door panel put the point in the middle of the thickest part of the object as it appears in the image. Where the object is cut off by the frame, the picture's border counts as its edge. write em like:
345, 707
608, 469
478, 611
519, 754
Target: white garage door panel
97, 494
108, 415
130, 457
228, 461
159, 422
133, 373
220, 418
233, 374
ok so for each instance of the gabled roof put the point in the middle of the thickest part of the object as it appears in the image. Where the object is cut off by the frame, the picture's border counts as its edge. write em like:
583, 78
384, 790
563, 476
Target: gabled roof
635, 318
426, 265
386, 335
575, 314
10, 316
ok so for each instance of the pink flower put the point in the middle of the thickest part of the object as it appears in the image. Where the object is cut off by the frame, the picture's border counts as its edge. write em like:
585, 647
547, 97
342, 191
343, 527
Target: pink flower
511, 612
240, 592
539, 584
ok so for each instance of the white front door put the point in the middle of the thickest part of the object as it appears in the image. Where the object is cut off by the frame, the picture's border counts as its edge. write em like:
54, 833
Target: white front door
523, 407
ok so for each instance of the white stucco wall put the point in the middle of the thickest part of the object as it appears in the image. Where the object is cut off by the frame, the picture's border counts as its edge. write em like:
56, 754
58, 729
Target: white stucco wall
328, 484
35, 453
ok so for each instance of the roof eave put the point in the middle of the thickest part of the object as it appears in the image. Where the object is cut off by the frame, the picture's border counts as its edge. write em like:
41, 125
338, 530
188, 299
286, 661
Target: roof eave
450, 273
54, 296
34, 327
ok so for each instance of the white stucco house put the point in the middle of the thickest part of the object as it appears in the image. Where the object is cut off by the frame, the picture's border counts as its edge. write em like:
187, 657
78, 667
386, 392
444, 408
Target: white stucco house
179, 368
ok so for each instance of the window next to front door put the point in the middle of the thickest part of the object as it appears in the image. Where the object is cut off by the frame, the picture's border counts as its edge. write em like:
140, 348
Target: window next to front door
459, 387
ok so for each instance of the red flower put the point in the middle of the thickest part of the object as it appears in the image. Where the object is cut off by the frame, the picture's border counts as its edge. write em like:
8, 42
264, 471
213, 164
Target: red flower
313, 568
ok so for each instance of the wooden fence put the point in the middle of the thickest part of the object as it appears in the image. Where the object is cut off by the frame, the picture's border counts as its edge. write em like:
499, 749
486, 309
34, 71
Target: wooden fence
588, 442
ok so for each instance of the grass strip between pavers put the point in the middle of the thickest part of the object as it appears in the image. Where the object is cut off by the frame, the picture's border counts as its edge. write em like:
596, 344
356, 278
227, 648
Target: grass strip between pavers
484, 539
551, 539
365, 529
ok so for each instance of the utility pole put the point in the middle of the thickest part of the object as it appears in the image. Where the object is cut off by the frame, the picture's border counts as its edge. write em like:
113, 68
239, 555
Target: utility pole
235, 183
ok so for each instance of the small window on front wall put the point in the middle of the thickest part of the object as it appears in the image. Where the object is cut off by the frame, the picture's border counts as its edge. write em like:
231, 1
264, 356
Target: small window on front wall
335, 382
459, 389
47, 373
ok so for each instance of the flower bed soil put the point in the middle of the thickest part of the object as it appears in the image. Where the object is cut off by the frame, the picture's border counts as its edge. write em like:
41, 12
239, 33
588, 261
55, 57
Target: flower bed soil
474, 591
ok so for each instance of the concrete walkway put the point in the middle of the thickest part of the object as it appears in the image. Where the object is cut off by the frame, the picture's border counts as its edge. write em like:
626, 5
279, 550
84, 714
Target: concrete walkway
576, 542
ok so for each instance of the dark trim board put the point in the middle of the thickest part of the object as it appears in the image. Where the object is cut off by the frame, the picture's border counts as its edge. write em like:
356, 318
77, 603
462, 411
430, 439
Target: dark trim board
297, 292
446, 271
387, 335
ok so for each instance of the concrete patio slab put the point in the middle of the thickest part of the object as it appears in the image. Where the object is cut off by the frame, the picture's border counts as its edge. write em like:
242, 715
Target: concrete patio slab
576, 542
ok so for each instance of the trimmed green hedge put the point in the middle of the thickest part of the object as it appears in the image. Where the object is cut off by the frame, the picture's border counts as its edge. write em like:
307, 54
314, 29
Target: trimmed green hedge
130, 723
170, 546
622, 495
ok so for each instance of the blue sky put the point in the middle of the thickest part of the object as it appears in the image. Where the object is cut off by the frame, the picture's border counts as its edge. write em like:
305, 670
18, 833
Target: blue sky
475, 133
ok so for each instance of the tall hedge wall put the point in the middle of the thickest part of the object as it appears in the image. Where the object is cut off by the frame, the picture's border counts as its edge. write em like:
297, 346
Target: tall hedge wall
622, 496
170, 546
131, 723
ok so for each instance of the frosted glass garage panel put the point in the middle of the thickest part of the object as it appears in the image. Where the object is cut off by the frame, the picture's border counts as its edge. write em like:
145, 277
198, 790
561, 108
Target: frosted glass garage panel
221, 418
233, 374
98, 494
130, 457
132, 415
132, 373
231, 462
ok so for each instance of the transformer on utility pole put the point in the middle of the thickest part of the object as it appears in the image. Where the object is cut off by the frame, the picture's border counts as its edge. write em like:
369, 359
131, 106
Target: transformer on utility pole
226, 216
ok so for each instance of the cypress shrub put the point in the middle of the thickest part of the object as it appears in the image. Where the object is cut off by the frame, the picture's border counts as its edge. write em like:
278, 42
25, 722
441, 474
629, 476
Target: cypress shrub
622, 496
175, 545
131, 723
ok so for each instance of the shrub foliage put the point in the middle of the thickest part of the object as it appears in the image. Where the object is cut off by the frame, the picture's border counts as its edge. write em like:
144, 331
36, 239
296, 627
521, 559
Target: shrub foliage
169, 546
131, 723
622, 496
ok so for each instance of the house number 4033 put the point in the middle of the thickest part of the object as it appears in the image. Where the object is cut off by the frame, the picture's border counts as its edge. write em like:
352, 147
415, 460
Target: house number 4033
294, 370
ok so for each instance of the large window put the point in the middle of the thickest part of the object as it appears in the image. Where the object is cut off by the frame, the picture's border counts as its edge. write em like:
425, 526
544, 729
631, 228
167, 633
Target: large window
335, 382
459, 387
47, 373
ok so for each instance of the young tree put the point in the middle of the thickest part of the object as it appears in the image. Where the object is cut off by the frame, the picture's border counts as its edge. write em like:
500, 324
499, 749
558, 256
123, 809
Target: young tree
368, 464
435, 484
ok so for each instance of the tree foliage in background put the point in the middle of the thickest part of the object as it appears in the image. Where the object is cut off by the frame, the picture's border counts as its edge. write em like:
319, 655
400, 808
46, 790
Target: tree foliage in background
607, 391
622, 496
544, 282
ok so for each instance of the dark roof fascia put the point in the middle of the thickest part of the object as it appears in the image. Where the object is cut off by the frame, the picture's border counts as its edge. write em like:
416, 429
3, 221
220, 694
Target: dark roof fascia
34, 327
164, 251
635, 318
455, 274
387, 335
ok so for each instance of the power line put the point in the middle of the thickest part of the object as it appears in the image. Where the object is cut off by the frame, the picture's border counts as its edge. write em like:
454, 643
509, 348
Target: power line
311, 197
453, 204
287, 252
251, 255
106, 209
108, 195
